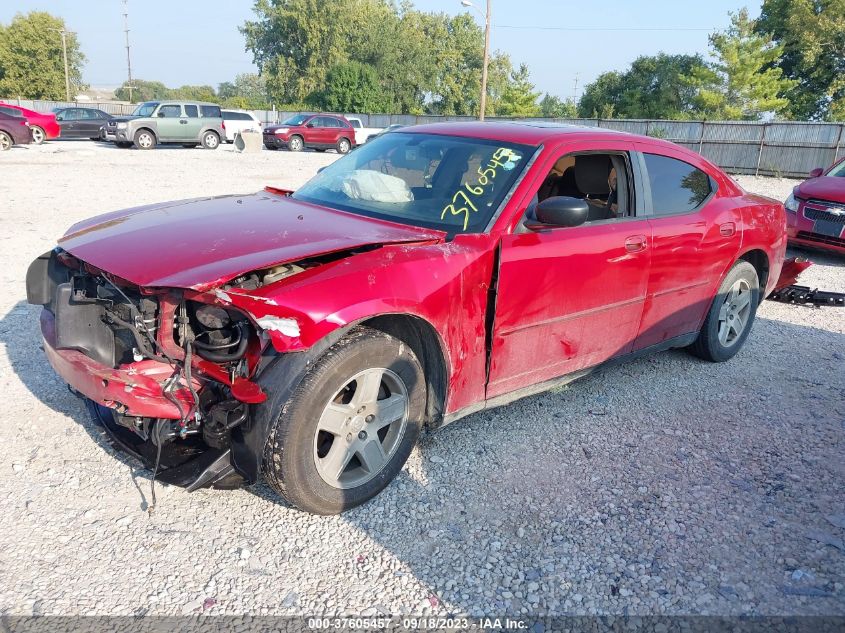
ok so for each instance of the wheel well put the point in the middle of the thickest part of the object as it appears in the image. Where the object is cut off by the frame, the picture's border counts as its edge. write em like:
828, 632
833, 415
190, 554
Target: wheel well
760, 261
344, 138
421, 337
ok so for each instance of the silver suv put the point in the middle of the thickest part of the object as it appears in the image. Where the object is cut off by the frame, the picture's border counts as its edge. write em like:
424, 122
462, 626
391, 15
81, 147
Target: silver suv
188, 123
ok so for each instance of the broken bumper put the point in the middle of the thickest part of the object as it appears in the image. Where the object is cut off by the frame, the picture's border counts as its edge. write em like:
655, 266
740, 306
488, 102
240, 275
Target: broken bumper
135, 389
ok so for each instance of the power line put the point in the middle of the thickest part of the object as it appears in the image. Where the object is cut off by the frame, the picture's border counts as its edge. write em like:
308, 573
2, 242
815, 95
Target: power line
596, 28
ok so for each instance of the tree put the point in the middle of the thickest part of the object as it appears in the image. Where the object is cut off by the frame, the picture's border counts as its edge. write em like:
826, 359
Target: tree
351, 87
194, 93
32, 60
143, 91
745, 82
518, 98
812, 33
654, 87
553, 107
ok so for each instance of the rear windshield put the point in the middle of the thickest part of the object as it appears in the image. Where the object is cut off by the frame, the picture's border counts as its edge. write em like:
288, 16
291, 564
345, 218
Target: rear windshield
211, 111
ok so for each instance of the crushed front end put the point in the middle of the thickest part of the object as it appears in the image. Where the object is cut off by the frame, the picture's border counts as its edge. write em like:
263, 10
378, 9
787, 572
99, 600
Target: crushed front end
167, 372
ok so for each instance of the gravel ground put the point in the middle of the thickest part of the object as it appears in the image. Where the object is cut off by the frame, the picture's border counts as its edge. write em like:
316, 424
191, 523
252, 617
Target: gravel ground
667, 485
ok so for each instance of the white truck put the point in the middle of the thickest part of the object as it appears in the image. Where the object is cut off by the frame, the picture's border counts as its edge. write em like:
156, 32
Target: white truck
362, 133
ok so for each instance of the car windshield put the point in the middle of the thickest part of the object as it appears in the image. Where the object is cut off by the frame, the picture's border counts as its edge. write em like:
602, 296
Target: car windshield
839, 170
145, 109
296, 120
448, 183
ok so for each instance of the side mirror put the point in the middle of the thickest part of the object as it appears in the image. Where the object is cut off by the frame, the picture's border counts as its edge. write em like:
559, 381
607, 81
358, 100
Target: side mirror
560, 211
818, 171
59, 117
161, 115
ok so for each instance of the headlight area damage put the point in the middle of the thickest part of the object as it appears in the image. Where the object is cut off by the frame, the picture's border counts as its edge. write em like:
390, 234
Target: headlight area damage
168, 372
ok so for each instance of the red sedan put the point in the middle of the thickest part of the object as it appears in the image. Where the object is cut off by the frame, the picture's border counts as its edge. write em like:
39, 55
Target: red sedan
42, 125
308, 337
816, 210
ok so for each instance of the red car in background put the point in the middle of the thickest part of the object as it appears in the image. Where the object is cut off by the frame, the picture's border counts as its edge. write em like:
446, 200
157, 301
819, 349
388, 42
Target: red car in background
14, 130
317, 131
308, 337
42, 125
816, 210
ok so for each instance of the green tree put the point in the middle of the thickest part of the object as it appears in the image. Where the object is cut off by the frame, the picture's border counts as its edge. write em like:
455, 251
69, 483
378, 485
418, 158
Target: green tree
143, 91
812, 33
745, 83
654, 87
351, 87
32, 60
518, 98
194, 93
553, 107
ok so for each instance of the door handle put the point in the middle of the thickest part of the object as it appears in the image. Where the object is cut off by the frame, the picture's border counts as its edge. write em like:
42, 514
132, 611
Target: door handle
635, 243
727, 229
183, 122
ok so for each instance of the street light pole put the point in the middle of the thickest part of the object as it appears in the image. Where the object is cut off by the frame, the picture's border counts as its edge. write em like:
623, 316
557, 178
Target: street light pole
486, 16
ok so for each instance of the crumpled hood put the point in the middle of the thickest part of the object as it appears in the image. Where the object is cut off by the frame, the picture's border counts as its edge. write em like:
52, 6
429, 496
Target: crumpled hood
205, 242
830, 188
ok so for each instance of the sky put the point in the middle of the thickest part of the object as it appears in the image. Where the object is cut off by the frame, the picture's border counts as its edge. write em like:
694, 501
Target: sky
562, 41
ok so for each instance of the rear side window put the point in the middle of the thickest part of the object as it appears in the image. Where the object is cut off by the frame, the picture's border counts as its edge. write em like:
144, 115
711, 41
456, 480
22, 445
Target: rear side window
191, 111
211, 112
10, 111
676, 187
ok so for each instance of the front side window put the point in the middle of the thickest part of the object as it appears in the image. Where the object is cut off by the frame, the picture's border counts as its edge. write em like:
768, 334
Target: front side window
449, 183
145, 109
676, 187
191, 111
170, 111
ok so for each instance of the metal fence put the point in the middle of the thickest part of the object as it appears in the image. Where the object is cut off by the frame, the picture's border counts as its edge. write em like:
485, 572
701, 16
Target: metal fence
783, 148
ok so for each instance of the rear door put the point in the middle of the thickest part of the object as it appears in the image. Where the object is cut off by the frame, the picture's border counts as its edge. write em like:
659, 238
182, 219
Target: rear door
570, 298
89, 123
696, 235
193, 122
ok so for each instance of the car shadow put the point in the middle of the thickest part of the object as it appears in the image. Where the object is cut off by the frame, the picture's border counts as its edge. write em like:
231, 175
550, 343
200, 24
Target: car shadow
515, 526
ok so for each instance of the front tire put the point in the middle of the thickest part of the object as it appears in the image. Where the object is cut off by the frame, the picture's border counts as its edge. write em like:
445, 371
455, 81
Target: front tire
348, 428
731, 315
38, 135
295, 144
144, 139
210, 140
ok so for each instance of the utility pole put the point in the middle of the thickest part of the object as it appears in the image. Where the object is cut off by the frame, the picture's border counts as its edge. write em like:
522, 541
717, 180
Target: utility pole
486, 16
64, 33
575, 90
129, 85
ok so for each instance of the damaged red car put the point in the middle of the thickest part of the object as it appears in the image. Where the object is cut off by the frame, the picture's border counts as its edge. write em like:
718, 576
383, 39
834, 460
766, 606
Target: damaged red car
309, 337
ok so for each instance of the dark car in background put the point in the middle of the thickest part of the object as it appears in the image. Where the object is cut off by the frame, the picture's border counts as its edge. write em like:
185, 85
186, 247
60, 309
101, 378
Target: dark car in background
81, 122
816, 210
317, 131
14, 130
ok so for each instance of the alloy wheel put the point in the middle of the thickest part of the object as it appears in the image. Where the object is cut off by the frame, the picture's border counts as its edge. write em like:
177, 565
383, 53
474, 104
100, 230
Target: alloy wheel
735, 313
37, 135
360, 428
5, 142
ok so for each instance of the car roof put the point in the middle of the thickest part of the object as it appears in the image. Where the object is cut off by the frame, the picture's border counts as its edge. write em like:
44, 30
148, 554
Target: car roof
526, 132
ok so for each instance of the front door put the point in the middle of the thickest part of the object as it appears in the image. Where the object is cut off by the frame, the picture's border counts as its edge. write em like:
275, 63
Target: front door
170, 122
570, 298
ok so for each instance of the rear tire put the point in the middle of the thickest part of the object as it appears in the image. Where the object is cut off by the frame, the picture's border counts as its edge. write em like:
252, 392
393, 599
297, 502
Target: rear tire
343, 146
38, 135
210, 140
731, 315
5, 142
347, 429
144, 139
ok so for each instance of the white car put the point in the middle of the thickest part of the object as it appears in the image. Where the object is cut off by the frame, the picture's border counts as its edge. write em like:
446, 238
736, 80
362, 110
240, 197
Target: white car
239, 121
362, 133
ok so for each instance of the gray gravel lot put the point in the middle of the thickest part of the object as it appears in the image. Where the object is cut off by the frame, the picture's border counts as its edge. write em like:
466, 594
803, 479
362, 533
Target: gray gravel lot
667, 485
